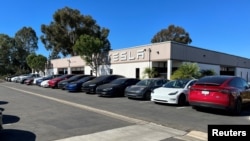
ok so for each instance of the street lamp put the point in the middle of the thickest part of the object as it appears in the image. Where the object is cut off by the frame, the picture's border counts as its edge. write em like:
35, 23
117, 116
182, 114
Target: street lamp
69, 69
149, 56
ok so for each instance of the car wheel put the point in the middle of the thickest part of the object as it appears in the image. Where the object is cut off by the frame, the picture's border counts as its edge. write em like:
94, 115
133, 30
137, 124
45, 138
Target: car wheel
182, 100
237, 107
147, 95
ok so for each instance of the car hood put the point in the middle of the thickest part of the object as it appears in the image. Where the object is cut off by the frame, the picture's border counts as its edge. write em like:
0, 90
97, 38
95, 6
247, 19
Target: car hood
91, 82
164, 91
136, 88
107, 86
56, 79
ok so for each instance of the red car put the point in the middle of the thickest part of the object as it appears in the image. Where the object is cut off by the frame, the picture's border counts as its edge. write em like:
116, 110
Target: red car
53, 82
221, 92
29, 81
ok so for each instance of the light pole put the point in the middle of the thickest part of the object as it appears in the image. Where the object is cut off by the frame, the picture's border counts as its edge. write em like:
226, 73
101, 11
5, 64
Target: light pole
149, 56
69, 69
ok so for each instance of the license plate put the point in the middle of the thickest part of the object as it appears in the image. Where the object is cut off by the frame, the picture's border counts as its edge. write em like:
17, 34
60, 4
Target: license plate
205, 92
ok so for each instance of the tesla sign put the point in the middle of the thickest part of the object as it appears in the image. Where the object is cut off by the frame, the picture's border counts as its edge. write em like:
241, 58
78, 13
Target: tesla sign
125, 56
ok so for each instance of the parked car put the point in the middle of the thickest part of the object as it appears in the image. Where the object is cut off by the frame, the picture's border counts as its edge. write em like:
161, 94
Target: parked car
173, 92
45, 84
53, 82
143, 88
22, 78
76, 85
90, 86
39, 81
115, 87
1, 120
62, 84
29, 81
8, 78
16, 78
38, 78
229, 93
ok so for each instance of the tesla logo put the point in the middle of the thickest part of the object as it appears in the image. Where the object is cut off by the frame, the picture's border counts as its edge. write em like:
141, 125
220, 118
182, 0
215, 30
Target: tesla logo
124, 56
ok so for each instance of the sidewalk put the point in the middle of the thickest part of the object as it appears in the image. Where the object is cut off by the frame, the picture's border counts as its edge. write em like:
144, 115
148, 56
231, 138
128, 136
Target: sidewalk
141, 132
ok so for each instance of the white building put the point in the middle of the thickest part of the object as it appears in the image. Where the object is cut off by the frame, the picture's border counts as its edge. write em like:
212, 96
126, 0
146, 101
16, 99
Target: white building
165, 57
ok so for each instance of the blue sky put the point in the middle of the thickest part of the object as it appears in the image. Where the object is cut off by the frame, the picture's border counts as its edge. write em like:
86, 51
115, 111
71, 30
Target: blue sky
219, 25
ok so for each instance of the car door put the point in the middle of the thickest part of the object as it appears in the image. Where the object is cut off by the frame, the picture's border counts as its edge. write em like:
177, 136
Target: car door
245, 94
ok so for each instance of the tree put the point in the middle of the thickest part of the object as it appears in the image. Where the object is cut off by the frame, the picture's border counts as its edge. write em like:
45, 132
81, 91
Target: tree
207, 72
25, 43
150, 72
92, 50
62, 33
40, 62
172, 33
6, 43
187, 70
30, 61
36, 62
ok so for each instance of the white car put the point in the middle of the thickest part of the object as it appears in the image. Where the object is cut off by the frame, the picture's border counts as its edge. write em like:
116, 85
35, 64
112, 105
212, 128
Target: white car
173, 92
35, 79
45, 84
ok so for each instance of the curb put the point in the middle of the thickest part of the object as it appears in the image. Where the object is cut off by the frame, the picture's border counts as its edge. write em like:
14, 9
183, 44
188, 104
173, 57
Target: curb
198, 135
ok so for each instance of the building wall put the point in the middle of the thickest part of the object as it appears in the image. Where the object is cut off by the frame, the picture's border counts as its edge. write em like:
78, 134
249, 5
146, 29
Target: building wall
243, 72
125, 61
74, 61
129, 69
194, 54
157, 52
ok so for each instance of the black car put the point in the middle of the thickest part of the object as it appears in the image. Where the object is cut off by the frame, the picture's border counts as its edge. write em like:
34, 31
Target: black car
142, 89
1, 120
115, 87
62, 84
90, 86
76, 86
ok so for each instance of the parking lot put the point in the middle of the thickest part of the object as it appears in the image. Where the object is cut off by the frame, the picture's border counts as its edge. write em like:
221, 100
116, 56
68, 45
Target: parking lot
39, 113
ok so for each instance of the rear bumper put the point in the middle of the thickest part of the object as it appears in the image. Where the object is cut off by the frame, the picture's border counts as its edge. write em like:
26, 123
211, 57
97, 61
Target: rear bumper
210, 105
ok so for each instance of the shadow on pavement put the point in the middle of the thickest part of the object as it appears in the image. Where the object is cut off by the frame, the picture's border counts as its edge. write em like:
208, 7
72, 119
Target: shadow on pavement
245, 111
7, 119
16, 135
3, 102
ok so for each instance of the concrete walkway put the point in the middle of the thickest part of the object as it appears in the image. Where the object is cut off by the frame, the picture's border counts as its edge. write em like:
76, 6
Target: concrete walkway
141, 132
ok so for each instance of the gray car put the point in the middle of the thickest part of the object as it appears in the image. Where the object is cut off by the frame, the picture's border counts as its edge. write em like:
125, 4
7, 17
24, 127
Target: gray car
142, 89
1, 120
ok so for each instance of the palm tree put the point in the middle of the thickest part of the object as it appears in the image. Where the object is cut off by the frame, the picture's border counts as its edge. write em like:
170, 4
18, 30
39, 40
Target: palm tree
187, 70
150, 72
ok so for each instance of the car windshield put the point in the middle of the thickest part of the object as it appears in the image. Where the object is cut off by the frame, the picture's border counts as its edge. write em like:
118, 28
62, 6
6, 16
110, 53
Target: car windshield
100, 78
146, 82
212, 80
74, 77
84, 79
118, 81
176, 84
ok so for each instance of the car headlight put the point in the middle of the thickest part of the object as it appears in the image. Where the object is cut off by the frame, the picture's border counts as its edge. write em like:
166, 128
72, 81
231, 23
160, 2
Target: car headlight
173, 93
73, 84
108, 89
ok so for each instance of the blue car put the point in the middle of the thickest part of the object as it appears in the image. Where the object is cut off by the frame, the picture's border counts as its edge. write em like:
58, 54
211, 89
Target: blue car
75, 86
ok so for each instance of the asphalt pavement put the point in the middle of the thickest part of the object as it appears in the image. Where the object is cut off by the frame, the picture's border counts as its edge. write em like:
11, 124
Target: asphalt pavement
136, 130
